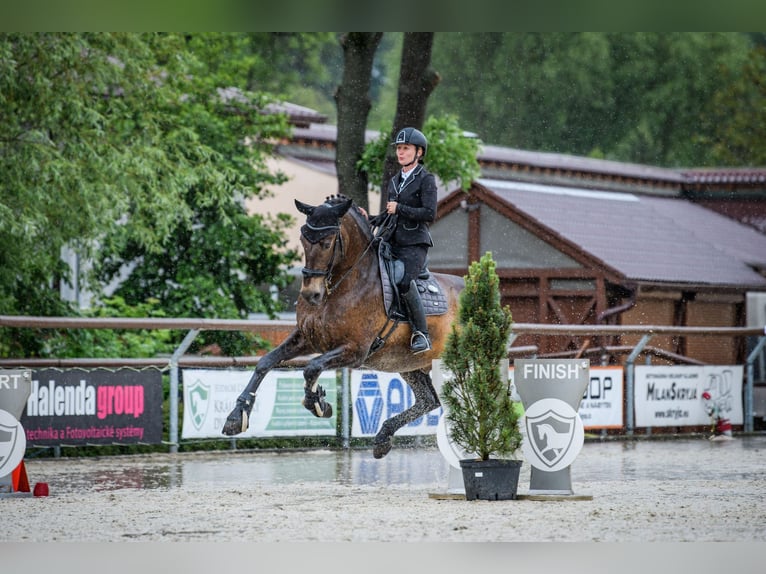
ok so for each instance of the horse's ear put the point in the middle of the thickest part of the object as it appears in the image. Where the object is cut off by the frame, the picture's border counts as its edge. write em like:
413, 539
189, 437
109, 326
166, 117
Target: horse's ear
340, 209
304, 208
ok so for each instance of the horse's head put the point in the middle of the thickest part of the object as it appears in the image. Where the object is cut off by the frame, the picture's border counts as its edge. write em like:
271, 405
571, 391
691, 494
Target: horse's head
322, 244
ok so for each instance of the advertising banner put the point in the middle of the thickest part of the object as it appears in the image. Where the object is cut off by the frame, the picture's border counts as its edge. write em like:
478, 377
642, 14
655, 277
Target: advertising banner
672, 395
601, 406
377, 396
210, 395
95, 407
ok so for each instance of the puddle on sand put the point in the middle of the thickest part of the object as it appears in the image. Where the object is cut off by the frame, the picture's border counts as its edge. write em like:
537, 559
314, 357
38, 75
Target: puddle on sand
677, 459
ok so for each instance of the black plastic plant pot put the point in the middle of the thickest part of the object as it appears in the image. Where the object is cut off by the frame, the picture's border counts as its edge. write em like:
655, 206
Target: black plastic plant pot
493, 479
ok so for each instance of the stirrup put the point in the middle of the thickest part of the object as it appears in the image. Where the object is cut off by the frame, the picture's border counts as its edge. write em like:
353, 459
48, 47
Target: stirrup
419, 342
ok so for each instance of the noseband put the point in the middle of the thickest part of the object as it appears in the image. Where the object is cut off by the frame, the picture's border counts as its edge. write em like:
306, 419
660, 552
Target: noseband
310, 232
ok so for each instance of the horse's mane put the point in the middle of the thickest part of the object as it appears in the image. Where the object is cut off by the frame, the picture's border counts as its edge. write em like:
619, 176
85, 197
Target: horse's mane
356, 214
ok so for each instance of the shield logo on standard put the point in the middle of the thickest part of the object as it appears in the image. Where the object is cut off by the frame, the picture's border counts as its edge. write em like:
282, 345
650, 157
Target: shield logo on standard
199, 395
554, 434
13, 443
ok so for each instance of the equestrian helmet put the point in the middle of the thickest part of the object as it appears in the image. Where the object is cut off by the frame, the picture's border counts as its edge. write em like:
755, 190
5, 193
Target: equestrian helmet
411, 136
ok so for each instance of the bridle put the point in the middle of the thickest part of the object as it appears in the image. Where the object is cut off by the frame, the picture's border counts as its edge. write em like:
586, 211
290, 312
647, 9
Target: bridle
337, 244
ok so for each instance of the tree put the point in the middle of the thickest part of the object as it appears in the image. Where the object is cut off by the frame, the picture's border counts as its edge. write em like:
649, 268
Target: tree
353, 102
417, 79
212, 264
359, 165
451, 154
480, 410
112, 141
303, 68
737, 115
638, 97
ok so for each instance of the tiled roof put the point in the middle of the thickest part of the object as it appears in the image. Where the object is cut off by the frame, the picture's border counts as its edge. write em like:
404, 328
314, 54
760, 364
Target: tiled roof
506, 158
644, 238
725, 175
558, 161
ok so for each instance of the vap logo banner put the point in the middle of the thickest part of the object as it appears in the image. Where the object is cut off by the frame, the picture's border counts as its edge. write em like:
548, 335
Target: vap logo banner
210, 395
198, 403
99, 406
377, 396
554, 435
13, 443
672, 395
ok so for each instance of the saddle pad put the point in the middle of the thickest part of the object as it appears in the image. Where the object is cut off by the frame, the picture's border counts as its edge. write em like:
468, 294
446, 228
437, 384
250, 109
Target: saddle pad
434, 299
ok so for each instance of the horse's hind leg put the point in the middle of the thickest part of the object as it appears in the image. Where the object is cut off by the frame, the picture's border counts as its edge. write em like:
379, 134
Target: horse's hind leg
238, 420
426, 400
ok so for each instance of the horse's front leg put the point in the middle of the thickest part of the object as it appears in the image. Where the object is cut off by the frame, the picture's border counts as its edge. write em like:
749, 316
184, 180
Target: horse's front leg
314, 394
239, 419
426, 400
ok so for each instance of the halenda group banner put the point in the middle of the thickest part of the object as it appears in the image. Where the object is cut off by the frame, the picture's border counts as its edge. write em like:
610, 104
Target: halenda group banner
96, 407
210, 395
672, 396
377, 396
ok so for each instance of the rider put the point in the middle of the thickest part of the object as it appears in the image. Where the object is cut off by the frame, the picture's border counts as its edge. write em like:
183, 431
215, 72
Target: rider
411, 207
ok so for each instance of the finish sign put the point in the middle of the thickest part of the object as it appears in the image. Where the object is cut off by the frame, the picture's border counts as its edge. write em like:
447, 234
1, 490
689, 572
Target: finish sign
15, 385
551, 391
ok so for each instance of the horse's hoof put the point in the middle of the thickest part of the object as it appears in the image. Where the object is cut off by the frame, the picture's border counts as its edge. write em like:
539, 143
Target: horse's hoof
319, 409
314, 402
381, 449
236, 422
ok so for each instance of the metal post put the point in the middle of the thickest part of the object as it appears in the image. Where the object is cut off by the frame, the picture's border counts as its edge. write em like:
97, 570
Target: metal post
174, 358
346, 408
749, 414
629, 382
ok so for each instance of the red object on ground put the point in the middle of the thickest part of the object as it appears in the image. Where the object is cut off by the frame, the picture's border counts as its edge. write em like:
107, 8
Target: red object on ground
19, 479
41, 489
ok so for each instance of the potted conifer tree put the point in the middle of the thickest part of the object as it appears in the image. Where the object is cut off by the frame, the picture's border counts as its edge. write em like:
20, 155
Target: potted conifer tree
481, 415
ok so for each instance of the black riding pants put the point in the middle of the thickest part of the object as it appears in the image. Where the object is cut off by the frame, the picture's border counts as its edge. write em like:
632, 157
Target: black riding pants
414, 259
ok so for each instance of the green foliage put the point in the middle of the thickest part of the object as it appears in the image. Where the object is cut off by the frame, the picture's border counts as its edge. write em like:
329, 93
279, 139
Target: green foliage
451, 153
138, 151
109, 343
737, 118
481, 413
303, 68
639, 97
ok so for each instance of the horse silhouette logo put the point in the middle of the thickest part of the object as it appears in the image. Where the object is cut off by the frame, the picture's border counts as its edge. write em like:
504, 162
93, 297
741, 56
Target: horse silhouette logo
199, 399
550, 435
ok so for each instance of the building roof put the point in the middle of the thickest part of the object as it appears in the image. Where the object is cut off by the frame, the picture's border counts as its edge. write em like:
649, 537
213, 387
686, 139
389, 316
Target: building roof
564, 162
510, 159
644, 238
728, 175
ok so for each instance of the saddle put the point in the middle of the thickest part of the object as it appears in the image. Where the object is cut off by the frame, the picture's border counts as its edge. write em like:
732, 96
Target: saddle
391, 273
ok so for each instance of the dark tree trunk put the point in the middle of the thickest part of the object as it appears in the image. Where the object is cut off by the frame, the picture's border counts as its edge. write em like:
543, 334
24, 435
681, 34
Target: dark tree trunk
416, 82
353, 102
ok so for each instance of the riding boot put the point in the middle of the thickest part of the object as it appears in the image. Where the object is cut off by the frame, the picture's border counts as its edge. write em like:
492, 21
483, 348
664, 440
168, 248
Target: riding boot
420, 341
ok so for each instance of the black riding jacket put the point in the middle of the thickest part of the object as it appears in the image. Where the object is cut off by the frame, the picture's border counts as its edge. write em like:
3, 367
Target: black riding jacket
416, 207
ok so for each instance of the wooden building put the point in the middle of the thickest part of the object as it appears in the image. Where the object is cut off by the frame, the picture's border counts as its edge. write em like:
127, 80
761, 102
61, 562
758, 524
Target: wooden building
581, 241
584, 241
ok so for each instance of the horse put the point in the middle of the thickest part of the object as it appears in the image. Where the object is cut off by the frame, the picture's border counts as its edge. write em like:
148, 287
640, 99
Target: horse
341, 318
